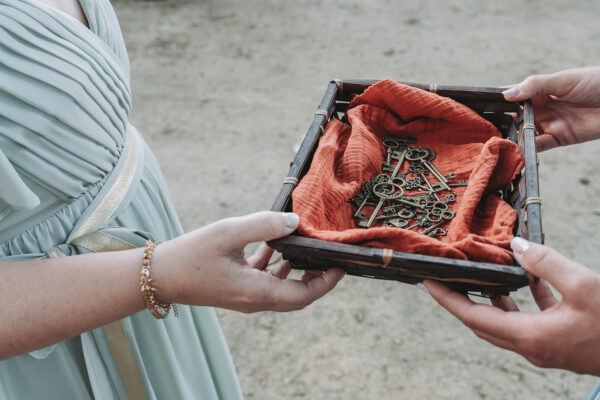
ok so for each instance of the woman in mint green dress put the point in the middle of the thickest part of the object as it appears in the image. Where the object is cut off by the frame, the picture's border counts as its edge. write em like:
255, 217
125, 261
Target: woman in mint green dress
77, 180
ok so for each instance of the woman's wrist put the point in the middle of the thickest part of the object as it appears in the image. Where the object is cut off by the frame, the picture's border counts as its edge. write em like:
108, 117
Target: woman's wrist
162, 270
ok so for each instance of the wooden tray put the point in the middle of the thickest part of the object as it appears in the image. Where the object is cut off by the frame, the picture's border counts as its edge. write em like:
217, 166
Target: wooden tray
467, 276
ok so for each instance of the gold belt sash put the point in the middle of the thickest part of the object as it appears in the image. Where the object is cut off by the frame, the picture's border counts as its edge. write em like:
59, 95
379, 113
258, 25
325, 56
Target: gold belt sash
87, 236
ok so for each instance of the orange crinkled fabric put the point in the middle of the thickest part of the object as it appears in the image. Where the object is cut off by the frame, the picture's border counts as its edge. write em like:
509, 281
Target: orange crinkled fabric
464, 142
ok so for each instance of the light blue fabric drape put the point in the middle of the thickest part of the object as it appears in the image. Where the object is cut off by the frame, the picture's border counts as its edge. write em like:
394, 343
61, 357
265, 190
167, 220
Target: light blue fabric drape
64, 105
595, 395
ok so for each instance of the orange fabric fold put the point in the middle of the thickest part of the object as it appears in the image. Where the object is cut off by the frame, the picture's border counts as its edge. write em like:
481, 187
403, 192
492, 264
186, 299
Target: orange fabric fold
464, 142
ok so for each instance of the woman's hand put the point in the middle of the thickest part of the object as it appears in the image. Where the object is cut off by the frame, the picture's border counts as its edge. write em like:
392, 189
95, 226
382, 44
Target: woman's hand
566, 334
62, 297
208, 267
566, 105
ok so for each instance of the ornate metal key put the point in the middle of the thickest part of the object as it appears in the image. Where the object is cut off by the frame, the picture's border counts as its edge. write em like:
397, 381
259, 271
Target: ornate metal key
367, 192
427, 163
391, 144
385, 191
415, 169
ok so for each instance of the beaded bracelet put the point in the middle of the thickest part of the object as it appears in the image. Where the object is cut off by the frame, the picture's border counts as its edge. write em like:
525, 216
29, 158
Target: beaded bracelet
152, 303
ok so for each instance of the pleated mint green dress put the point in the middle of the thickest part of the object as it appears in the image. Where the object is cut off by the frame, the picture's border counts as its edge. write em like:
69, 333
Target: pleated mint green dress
64, 105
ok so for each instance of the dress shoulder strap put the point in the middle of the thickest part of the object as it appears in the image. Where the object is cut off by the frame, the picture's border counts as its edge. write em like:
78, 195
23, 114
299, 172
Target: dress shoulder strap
103, 21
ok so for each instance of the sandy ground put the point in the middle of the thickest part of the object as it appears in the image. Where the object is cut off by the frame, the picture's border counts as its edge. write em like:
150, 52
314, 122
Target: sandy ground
224, 89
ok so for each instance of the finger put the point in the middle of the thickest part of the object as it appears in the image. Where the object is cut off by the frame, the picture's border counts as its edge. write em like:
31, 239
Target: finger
258, 227
545, 142
552, 131
549, 264
280, 268
503, 344
288, 295
542, 294
261, 257
505, 303
491, 320
536, 85
310, 274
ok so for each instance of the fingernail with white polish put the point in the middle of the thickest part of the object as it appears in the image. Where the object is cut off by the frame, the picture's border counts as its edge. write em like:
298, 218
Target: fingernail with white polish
292, 220
422, 288
519, 245
512, 92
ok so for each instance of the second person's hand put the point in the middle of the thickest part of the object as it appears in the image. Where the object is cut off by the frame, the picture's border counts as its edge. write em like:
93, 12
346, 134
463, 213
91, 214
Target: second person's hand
566, 105
565, 334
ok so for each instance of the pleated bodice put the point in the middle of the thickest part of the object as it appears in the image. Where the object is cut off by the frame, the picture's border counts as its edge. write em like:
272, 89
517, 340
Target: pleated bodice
64, 104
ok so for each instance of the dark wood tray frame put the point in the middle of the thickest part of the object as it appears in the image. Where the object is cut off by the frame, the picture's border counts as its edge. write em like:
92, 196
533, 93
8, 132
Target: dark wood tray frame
466, 276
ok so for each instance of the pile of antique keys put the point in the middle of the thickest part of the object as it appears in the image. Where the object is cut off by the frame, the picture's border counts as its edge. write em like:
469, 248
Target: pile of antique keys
409, 199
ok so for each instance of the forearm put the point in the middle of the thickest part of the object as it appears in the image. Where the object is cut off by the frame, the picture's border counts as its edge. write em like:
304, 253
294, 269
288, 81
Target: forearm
46, 301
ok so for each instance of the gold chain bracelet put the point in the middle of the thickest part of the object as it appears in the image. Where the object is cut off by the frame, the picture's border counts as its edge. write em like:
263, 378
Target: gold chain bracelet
152, 303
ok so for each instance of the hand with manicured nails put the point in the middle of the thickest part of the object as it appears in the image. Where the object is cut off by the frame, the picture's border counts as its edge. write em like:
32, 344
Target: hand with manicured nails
566, 105
565, 334
207, 267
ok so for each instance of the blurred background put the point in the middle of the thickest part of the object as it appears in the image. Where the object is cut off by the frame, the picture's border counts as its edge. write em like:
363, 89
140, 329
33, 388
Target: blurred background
223, 90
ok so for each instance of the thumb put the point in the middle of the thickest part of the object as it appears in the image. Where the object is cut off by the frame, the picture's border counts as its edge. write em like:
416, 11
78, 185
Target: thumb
548, 264
259, 227
536, 85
